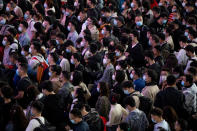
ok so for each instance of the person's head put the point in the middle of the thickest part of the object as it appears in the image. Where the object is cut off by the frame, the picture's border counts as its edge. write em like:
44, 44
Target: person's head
65, 76
35, 48
162, 37
36, 108
32, 92
47, 22
183, 41
106, 12
6, 92
93, 48
106, 30
154, 40
7, 40
156, 11
171, 80
23, 26
25, 50
13, 56
192, 71
163, 75
127, 87
119, 21
53, 58
114, 98
156, 115
60, 38
75, 58
76, 78
84, 108
54, 70
10, 6
136, 74
139, 20
22, 69
151, 76
188, 80
108, 58
120, 76
162, 19
123, 127
156, 50
190, 51
181, 125
149, 57
71, 26
119, 50
82, 16
47, 87
103, 88
134, 35
130, 103
29, 14
75, 116
79, 93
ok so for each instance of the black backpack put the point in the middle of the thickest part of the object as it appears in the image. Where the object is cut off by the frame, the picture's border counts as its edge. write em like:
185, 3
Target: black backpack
44, 127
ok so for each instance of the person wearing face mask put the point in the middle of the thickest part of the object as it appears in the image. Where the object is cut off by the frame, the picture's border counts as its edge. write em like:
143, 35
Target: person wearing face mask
147, 13
22, 85
36, 111
157, 55
92, 10
192, 37
118, 26
129, 90
77, 121
119, 53
60, 37
125, 8
135, 50
156, 117
138, 82
73, 35
151, 89
24, 38
109, 68
75, 60
190, 92
136, 119
47, 23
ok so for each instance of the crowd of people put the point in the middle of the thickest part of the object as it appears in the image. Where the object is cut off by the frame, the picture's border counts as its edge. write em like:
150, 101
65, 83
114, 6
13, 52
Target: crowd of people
98, 65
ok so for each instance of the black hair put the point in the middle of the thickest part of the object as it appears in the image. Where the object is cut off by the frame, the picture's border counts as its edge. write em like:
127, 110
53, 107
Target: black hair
93, 48
120, 48
183, 39
54, 56
108, 28
76, 113
37, 46
138, 72
157, 112
183, 124
48, 19
25, 24
7, 92
26, 48
129, 100
24, 67
135, 33
111, 57
77, 56
68, 43
47, 85
193, 71
10, 39
158, 48
155, 38
189, 78
124, 126
149, 54
171, 80
66, 75
39, 106
127, 84
56, 68
153, 75
161, 36
77, 78
114, 98
104, 89
156, 9
61, 35
190, 48
120, 76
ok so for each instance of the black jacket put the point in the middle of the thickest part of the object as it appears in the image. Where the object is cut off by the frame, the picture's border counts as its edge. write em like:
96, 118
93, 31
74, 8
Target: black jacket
174, 98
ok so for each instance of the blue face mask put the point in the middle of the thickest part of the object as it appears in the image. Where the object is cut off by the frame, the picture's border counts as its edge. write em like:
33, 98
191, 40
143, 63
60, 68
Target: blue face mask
3, 21
164, 21
149, 43
67, 13
17, 73
131, 76
102, 32
182, 83
26, 16
68, 51
115, 22
72, 121
153, 120
132, 5
186, 34
126, 92
50, 74
4, 42
72, 61
139, 23
32, 114
57, 41
7, 9
117, 53
98, 89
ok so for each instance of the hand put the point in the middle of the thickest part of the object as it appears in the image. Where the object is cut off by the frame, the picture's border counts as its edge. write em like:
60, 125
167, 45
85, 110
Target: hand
67, 128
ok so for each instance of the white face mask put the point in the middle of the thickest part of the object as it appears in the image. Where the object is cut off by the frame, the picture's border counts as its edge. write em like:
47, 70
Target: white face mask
118, 67
113, 77
104, 61
162, 79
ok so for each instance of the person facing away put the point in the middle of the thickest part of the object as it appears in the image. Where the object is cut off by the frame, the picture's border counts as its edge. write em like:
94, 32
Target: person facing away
136, 119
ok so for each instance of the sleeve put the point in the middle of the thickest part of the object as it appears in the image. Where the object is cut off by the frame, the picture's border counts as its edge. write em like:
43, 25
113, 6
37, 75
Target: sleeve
111, 118
125, 113
32, 125
157, 102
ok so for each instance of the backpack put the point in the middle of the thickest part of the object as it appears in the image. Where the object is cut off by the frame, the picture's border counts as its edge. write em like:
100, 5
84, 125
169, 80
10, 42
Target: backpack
40, 69
145, 103
44, 127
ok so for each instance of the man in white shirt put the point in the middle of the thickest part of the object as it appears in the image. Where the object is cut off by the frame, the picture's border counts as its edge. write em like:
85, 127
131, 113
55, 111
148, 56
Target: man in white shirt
36, 110
73, 35
160, 123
